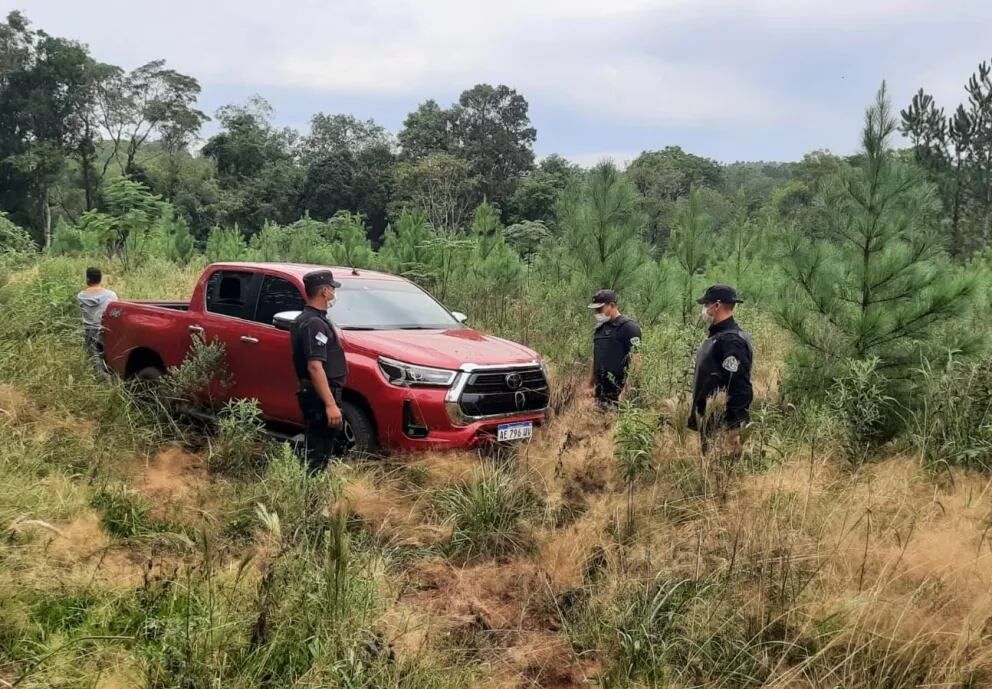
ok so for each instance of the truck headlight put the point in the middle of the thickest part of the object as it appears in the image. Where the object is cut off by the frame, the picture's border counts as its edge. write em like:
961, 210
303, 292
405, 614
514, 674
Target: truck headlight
405, 375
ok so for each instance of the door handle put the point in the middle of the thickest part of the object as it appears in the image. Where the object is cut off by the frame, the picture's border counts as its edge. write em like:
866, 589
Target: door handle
249, 340
195, 329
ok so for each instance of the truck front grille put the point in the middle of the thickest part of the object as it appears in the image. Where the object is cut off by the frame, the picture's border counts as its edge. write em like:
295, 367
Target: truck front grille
504, 392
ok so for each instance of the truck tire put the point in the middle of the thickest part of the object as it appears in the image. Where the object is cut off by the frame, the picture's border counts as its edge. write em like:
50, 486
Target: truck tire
149, 374
359, 431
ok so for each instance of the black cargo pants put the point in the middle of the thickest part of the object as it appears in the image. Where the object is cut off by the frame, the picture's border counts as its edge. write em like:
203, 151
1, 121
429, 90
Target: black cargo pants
321, 442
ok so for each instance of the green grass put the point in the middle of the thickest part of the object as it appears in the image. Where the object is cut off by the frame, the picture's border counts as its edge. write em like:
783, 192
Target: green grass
488, 512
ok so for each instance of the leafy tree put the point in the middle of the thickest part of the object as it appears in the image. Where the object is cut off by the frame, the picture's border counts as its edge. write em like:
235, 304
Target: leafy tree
180, 245
191, 185
259, 178
690, 243
957, 152
743, 234
349, 241
14, 239
342, 240
494, 269
45, 87
527, 237
426, 132
537, 192
876, 286
494, 133
269, 244
350, 167
440, 186
148, 102
225, 244
334, 133
663, 177
247, 142
489, 127
131, 212
603, 228
407, 248
758, 180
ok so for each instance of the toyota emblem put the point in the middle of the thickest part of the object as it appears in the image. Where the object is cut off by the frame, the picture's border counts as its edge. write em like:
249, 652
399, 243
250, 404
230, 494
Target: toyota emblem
514, 381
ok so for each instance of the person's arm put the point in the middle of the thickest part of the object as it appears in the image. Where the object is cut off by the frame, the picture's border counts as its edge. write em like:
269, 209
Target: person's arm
315, 339
315, 367
735, 368
631, 341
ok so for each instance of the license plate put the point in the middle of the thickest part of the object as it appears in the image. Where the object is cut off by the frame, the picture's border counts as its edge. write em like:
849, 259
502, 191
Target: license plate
515, 431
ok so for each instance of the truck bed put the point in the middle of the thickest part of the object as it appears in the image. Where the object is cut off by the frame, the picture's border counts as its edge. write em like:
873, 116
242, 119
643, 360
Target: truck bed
173, 305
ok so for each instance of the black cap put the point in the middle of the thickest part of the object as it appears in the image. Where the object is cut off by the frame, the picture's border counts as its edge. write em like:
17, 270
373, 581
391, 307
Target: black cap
603, 297
318, 278
725, 294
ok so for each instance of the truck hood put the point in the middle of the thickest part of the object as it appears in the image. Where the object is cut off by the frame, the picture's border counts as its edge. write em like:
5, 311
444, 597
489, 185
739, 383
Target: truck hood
439, 348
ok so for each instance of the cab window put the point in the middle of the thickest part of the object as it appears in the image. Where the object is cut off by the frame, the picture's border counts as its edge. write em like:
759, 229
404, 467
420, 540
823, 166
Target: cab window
277, 295
229, 294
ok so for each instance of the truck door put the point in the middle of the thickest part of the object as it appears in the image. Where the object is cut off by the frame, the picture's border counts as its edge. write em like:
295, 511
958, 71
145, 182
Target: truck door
273, 380
229, 305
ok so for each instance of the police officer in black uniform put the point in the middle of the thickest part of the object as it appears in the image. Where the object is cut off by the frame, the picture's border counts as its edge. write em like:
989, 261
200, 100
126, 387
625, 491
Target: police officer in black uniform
723, 363
614, 342
320, 368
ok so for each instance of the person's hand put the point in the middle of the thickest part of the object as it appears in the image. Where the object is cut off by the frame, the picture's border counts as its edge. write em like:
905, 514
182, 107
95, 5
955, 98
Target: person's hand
334, 418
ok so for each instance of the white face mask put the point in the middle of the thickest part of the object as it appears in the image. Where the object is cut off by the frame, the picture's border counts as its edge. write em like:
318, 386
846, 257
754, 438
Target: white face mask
600, 318
706, 317
331, 302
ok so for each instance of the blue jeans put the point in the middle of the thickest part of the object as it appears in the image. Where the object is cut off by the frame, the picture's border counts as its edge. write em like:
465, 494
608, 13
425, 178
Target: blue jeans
93, 339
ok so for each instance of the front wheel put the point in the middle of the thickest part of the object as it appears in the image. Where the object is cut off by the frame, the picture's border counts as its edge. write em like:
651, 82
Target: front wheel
358, 431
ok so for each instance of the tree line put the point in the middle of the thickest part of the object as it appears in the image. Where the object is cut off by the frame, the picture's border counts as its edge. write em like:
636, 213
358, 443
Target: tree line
71, 125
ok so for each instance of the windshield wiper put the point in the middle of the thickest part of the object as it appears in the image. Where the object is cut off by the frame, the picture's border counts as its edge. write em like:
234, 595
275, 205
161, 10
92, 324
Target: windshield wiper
356, 327
421, 327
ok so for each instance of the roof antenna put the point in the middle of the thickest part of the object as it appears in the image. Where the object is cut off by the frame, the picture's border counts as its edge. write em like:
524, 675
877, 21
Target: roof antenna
354, 271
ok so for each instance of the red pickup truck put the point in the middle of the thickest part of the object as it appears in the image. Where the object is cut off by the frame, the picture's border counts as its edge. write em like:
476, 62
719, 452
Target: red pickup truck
418, 378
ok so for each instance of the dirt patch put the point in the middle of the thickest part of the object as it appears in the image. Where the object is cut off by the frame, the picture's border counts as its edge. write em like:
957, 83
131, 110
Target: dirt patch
79, 539
568, 556
15, 405
442, 468
391, 514
175, 483
498, 612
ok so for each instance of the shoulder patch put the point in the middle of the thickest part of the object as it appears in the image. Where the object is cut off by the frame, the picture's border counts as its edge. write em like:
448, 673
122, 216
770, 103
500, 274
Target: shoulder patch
635, 341
321, 338
731, 364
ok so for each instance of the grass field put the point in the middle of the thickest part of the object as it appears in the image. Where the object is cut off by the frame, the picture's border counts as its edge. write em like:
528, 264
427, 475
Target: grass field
139, 551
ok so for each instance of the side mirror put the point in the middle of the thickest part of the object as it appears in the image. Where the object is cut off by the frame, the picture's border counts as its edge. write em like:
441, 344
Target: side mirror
460, 317
284, 319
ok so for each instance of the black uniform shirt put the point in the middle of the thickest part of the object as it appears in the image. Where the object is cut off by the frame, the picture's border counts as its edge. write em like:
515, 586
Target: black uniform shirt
724, 364
612, 345
313, 339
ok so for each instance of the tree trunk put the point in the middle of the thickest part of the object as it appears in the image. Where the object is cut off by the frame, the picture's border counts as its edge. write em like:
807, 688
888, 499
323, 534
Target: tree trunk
47, 211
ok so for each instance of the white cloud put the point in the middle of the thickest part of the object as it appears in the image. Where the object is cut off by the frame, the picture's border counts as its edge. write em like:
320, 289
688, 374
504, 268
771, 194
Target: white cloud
602, 59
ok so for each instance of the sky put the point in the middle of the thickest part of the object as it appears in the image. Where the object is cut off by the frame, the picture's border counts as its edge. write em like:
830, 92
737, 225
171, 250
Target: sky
730, 80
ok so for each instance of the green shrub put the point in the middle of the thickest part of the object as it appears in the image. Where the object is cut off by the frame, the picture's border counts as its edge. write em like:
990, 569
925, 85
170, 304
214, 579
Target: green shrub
122, 513
859, 401
203, 368
239, 446
953, 422
487, 512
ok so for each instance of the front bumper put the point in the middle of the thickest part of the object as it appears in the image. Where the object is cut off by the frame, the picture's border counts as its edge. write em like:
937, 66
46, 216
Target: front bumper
461, 437
440, 413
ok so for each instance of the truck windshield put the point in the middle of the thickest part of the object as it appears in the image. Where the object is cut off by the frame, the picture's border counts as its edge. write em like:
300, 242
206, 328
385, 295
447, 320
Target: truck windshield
387, 305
